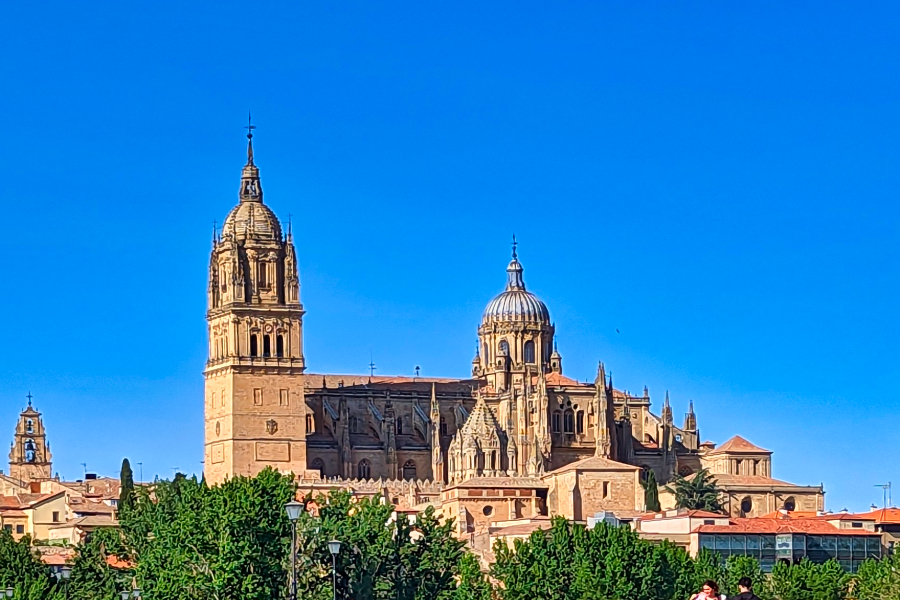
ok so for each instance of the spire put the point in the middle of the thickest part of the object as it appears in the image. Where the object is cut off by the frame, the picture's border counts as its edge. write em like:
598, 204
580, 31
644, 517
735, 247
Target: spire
514, 279
601, 375
667, 410
690, 419
251, 190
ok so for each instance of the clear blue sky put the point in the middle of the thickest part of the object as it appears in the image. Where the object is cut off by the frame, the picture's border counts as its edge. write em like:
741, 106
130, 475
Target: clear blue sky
716, 180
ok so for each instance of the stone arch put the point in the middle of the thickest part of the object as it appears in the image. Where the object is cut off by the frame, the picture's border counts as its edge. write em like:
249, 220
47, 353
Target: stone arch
364, 469
409, 470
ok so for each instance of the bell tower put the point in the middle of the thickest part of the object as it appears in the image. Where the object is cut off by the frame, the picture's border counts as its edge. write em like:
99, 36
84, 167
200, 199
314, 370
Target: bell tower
29, 458
255, 408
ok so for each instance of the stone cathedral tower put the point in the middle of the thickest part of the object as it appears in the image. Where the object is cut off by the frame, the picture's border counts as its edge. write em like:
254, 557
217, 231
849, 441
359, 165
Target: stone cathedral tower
29, 457
255, 409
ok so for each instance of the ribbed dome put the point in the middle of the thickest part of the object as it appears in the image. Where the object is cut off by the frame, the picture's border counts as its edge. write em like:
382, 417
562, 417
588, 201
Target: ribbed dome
251, 216
515, 304
254, 217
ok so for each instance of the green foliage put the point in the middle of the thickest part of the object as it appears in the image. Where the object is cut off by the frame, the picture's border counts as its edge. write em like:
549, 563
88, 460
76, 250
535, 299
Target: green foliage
651, 492
473, 584
380, 557
92, 578
192, 541
21, 569
570, 562
700, 492
878, 579
743, 566
810, 581
126, 486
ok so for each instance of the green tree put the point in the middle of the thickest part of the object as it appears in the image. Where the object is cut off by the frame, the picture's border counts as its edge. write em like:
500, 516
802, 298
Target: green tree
743, 566
651, 492
810, 581
126, 486
473, 584
698, 492
571, 562
21, 569
92, 577
878, 579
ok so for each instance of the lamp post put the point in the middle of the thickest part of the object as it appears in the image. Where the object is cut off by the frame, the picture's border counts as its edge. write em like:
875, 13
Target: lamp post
334, 546
62, 576
10, 592
293, 510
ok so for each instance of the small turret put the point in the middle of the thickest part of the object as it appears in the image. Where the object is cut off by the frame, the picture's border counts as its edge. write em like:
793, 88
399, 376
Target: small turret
555, 360
690, 419
667, 411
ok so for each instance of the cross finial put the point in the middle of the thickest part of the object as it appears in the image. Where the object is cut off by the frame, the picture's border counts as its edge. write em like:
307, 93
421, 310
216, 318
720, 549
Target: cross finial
29, 396
371, 366
250, 127
515, 243
417, 370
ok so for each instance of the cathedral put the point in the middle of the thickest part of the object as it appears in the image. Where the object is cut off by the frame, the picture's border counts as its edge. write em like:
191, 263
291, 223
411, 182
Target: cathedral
518, 423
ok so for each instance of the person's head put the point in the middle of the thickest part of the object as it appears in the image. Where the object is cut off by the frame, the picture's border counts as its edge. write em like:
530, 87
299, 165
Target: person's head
710, 588
745, 584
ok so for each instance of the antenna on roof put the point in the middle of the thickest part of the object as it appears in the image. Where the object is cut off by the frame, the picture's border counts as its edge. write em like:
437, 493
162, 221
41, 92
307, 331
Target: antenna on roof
886, 491
371, 365
84, 465
417, 370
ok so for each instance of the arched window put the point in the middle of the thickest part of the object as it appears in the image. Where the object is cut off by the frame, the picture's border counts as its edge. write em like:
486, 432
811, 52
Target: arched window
318, 465
254, 349
529, 352
262, 275
409, 470
556, 421
504, 348
746, 506
790, 504
443, 426
310, 424
29, 426
363, 469
685, 471
279, 346
354, 424
30, 451
569, 422
267, 346
399, 425
579, 422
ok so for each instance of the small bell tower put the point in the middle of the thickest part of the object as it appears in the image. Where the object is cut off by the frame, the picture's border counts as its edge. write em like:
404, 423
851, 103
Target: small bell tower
29, 458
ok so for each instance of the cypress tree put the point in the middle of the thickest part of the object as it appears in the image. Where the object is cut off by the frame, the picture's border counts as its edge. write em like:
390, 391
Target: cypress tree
126, 486
651, 492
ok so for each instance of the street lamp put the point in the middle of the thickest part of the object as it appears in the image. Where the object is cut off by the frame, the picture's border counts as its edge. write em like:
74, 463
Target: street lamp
293, 510
125, 594
334, 546
10, 592
62, 576
136, 593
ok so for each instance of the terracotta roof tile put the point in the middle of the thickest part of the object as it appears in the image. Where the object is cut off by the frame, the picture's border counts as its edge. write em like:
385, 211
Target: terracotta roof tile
499, 482
738, 445
775, 526
882, 515
595, 463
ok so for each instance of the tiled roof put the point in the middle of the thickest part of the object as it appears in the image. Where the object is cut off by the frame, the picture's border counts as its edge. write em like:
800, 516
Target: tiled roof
738, 445
774, 526
558, 379
595, 463
739, 481
499, 482
786, 515
882, 515
522, 528
682, 513
318, 381
92, 521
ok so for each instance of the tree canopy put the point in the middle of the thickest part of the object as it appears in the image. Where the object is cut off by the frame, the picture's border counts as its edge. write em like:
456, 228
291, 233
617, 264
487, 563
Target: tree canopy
697, 492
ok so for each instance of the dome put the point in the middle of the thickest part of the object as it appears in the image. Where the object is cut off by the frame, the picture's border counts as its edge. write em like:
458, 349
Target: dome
515, 304
254, 218
251, 216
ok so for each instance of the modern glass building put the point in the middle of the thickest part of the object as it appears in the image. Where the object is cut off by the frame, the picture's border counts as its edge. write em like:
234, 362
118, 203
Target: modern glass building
850, 549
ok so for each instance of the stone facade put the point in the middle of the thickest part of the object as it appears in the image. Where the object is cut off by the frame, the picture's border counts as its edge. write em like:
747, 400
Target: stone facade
518, 421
